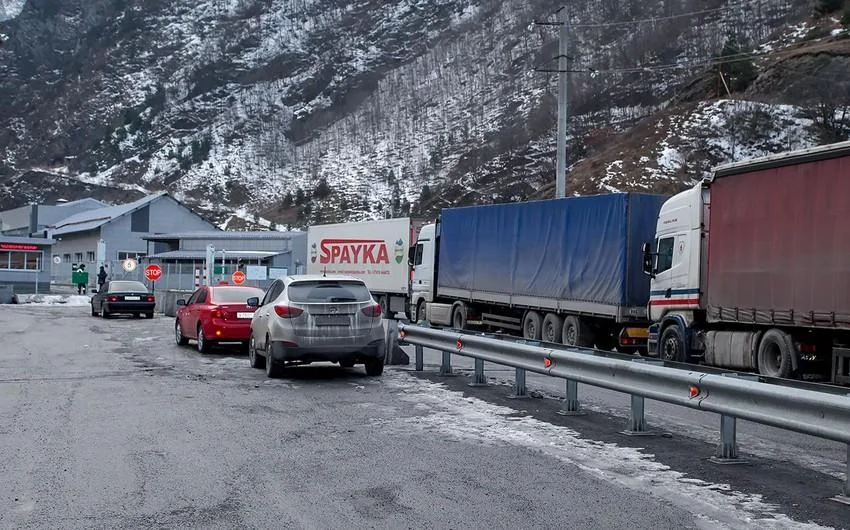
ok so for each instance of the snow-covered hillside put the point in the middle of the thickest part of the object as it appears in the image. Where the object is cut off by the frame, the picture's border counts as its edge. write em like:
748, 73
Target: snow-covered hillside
327, 110
10, 8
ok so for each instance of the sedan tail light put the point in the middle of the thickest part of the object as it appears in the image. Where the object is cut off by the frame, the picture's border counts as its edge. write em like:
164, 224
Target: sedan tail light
372, 310
111, 298
217, 313
151, 299
285, 311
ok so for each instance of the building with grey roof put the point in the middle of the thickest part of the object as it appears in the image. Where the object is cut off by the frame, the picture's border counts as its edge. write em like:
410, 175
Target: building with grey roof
24, 264
33, 219
110, 235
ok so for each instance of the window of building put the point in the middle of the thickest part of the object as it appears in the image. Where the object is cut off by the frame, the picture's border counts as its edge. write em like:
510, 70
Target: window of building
90, 256
78, 257
66, 258
122, 255
21, 261
140, 220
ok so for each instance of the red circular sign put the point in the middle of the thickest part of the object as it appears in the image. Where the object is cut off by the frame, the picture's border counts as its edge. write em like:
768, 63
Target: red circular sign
153, 272
238, 277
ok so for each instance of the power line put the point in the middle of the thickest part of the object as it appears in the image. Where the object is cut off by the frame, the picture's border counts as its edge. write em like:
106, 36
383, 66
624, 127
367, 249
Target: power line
656, 19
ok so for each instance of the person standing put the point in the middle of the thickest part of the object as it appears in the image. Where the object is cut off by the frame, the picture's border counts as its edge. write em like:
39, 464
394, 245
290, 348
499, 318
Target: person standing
81, 278
101, 278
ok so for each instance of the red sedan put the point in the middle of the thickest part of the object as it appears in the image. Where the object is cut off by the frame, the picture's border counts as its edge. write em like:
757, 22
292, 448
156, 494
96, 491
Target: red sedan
216, 314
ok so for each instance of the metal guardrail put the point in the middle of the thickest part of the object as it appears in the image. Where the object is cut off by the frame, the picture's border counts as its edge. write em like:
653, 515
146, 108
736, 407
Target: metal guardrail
733, 396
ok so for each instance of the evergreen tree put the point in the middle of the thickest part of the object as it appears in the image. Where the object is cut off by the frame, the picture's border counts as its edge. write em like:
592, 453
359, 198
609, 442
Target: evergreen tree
738, 69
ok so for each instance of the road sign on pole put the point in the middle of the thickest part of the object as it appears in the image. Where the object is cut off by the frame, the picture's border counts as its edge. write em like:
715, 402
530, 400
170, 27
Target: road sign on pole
238, 277
153, 272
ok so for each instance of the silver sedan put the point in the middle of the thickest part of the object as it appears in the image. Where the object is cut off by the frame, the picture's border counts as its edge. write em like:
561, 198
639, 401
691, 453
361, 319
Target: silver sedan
313, 318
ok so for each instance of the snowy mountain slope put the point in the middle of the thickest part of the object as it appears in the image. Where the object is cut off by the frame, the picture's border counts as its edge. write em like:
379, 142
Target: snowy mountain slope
10, 8
308, 111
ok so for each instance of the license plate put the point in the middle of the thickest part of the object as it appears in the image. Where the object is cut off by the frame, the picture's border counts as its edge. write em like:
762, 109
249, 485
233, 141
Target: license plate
132, 298
244, 315
332, 320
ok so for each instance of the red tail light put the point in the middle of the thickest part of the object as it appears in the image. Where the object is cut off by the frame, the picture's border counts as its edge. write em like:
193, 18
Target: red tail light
217, 313
372, 310
151, 299
285, 311
112, 299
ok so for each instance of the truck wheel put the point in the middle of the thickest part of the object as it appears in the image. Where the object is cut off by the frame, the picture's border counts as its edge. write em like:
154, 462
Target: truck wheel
459, 317
775, 354
553, 328
419, 316
577, 333
532, 326
672, 345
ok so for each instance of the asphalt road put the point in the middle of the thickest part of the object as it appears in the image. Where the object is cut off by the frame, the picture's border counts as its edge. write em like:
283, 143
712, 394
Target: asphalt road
109, 424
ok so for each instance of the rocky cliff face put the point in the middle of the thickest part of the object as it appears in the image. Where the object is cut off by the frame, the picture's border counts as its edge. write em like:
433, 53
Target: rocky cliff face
310, 111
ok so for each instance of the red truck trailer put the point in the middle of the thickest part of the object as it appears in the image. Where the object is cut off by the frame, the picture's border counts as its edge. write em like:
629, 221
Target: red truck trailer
751, 268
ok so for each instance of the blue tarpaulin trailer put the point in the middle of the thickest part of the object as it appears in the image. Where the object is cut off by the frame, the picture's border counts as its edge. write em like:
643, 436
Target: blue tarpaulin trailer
571, 256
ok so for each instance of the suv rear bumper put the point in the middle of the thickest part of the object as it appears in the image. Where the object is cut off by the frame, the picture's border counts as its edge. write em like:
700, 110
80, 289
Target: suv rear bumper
284, 352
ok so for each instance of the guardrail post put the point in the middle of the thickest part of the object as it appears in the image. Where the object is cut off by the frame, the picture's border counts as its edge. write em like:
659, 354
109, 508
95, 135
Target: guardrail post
478, 377
727, 449
637, 419
520, 390
446, 364
571, 407
847, 476
420, 358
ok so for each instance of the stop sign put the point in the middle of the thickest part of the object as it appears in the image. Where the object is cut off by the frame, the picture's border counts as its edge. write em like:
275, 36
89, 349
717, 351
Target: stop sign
153, 272
238, 277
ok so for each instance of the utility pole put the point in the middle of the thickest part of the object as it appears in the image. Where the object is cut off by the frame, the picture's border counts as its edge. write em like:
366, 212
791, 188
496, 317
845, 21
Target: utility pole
563, 71
563, 89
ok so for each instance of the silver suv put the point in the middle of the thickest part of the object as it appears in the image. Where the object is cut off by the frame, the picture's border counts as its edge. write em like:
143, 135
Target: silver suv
313, 318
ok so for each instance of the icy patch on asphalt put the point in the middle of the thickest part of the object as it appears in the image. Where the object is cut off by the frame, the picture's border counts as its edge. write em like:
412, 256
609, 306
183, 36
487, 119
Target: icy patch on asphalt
76, 300
452, 414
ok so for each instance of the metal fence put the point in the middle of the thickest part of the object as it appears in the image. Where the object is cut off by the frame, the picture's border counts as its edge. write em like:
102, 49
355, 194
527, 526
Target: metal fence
731, 395
175, 276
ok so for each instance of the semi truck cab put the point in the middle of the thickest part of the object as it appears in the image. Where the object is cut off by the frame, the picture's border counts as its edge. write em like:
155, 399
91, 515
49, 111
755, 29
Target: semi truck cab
423, 260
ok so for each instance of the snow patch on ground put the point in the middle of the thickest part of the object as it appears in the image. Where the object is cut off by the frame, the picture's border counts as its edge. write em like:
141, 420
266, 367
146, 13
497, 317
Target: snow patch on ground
450, 413
76, 300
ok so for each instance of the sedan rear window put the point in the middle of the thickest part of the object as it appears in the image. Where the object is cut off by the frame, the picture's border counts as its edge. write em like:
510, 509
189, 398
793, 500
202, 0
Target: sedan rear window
328, 291
234, 295
127, 287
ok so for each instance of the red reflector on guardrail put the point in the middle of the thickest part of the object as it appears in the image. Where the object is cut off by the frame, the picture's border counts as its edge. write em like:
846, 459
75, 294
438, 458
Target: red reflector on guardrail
402, 334
459, 344
547, 362
694, 390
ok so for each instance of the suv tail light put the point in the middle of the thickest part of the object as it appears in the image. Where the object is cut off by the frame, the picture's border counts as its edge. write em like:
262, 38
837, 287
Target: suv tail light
373, 310
285, 311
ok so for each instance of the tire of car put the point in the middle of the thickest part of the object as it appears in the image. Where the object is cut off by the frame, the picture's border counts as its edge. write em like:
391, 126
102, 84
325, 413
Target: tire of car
256, 360
178, 335
274, 369
103, 312
374, 367
93, 311
204, 345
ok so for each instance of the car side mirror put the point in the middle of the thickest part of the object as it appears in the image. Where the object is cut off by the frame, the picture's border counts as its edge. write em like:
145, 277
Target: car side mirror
648, 260
253, 302
181, 302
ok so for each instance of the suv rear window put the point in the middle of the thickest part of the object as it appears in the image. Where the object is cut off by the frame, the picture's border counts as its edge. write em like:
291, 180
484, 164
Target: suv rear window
328, 292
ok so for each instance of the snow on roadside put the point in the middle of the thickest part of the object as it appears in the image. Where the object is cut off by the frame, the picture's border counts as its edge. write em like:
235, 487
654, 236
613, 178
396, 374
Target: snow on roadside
75, 300
452, 414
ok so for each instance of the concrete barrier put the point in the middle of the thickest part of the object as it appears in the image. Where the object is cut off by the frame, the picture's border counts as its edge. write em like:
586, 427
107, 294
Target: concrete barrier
7, 294
166, 301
